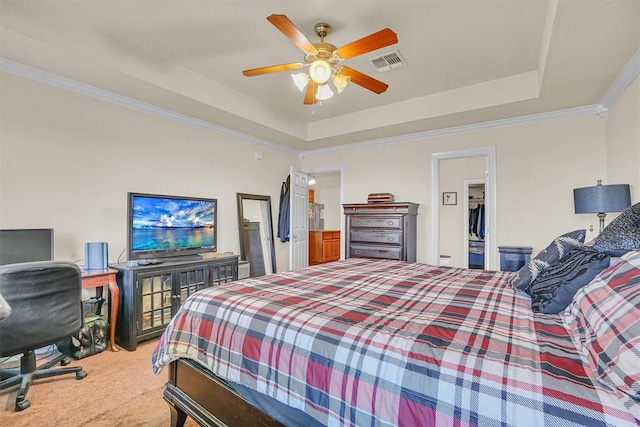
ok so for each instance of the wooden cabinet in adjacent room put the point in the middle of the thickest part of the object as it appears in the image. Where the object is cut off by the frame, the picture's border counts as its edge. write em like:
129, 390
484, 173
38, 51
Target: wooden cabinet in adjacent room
324, 246
381, 230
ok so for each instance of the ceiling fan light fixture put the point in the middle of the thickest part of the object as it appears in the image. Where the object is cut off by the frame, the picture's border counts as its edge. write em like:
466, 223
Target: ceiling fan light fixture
300, 80
324, 59
341, 81
320, 71
324, 92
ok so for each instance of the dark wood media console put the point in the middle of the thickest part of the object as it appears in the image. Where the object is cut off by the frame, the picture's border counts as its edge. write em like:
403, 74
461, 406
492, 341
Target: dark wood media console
151, 294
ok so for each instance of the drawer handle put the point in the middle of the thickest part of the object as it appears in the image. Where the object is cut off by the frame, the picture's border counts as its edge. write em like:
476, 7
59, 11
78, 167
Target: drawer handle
389, 222
357, 252
390, 238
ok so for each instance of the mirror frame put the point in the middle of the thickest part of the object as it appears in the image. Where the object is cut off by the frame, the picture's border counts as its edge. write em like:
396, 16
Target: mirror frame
241, 197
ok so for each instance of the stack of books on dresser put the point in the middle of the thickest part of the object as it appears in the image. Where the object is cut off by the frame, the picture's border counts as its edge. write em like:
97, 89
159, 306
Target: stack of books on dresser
380, 198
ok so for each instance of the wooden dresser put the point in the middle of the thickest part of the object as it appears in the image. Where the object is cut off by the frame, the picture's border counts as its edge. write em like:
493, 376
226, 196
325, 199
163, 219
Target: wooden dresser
381, 230
324, 246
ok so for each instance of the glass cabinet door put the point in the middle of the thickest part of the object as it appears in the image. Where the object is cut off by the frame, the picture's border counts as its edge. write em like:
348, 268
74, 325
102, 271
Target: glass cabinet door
191, 280
223, 273
156, 292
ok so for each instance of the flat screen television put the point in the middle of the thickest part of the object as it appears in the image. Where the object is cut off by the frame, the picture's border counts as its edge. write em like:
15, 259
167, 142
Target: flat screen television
26, 245
161, 226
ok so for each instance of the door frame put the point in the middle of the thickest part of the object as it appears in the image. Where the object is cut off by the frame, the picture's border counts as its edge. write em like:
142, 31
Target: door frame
491, 229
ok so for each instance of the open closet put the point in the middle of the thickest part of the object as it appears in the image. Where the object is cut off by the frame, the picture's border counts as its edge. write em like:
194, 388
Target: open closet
476, 232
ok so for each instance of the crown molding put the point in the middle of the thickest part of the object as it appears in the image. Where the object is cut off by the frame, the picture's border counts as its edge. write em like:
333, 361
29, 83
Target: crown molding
624, 79
64, 83
620, 84
588, 110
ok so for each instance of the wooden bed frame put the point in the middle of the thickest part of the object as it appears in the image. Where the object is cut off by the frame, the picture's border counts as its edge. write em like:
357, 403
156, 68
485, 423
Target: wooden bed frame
193, 391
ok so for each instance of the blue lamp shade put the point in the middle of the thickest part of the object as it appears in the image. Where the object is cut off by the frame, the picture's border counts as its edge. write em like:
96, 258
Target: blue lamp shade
602, 198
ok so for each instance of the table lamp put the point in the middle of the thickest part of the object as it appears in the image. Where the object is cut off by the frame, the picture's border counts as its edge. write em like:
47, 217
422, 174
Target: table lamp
601, 199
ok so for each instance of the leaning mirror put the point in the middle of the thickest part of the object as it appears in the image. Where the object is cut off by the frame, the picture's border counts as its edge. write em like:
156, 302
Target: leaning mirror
256, 233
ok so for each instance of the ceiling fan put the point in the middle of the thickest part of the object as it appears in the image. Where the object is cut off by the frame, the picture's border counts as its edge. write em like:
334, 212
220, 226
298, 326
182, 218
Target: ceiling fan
325, 60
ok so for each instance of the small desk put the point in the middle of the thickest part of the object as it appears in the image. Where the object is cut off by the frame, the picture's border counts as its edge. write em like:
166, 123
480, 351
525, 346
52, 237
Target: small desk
99, 279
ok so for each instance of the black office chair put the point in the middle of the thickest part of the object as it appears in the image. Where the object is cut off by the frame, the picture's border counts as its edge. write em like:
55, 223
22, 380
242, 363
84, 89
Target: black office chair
46, 306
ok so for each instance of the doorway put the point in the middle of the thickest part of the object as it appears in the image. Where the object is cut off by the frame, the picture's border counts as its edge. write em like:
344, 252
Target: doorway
473, 223
328, 191
489, 155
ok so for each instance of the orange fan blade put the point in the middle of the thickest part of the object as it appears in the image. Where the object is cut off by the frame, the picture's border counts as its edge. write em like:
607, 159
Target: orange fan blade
366, 44
272, 69
283, 23
310, 94
365, 81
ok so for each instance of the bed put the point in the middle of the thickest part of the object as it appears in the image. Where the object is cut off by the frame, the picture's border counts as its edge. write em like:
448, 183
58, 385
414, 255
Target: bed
363, 342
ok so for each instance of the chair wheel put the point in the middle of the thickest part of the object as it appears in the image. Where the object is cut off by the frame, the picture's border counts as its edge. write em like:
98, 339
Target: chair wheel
22, 405
80, 375
65, 361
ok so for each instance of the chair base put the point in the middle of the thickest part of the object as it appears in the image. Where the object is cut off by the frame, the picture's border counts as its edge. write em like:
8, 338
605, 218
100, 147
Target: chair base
28, 373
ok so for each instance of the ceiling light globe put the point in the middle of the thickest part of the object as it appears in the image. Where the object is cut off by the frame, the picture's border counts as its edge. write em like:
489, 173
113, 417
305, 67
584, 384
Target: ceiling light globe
300, 80
341, 81
324, 92
320, 71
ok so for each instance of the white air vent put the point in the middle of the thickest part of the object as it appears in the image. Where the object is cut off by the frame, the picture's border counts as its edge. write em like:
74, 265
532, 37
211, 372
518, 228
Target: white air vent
388, 61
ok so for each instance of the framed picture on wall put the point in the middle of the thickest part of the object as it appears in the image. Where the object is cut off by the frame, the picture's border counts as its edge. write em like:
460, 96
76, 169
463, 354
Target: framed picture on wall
449, 198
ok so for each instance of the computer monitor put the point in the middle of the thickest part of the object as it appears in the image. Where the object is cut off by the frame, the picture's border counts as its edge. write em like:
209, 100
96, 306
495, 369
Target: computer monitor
26, 245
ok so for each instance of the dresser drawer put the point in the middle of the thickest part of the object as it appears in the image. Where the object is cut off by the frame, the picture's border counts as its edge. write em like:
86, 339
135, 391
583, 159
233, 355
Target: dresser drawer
513, 262
512, 258
384, 252
371, 236
389, 222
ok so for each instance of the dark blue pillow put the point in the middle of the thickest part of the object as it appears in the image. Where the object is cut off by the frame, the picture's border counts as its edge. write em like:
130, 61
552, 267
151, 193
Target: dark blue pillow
554, 289
557, 249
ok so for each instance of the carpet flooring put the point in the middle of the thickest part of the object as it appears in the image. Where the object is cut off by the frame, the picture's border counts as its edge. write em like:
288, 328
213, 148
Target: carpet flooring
119, 390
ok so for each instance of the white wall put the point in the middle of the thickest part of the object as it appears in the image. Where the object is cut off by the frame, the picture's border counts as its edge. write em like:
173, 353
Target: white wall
68, 161
538, 166
623, 142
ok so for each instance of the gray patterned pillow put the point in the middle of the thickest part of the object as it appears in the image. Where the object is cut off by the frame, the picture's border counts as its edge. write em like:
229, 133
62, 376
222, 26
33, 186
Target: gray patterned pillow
622, 234
560, 246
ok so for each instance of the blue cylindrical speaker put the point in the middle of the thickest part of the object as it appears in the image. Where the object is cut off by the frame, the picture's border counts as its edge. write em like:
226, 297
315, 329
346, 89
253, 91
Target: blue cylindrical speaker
96, 255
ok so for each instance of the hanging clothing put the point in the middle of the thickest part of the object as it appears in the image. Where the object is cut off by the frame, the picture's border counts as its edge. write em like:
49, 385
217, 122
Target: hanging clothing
473, 220
476, 221
481, 227
283, 214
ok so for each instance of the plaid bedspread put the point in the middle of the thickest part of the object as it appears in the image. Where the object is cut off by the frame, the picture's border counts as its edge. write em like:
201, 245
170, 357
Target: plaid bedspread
360, 342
